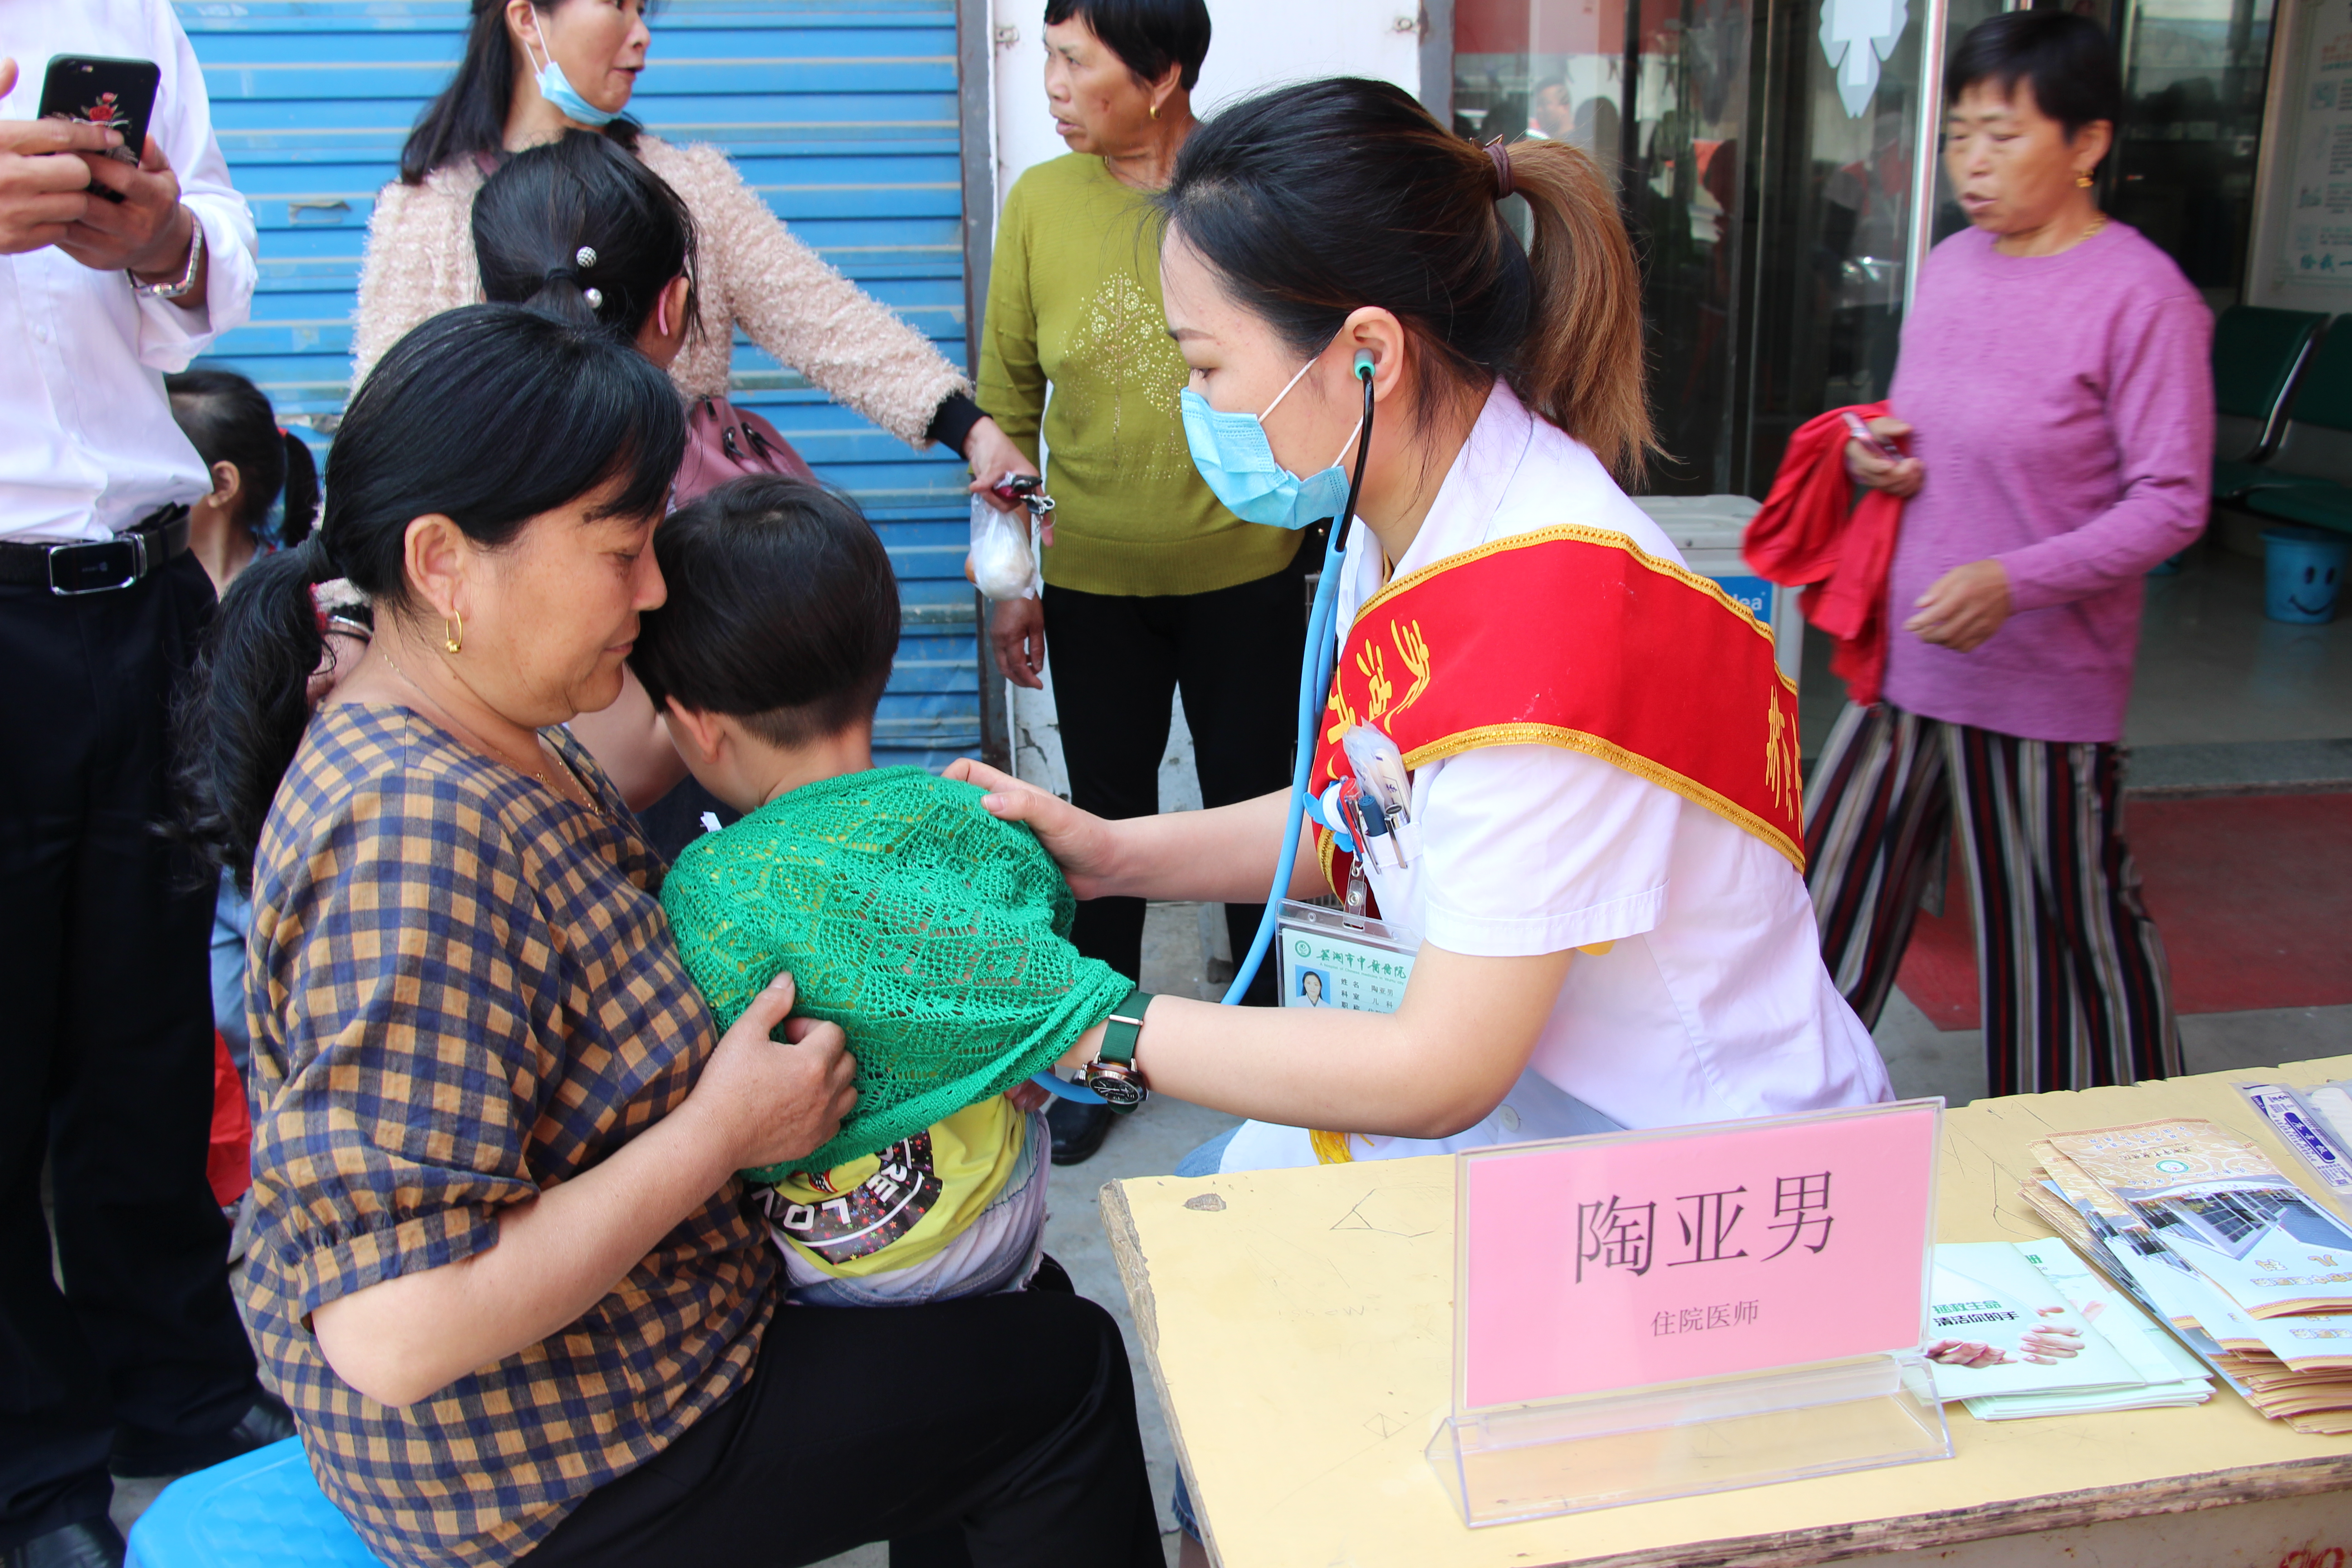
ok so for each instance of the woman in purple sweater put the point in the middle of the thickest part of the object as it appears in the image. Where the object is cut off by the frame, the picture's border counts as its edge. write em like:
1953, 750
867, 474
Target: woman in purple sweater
2054, 392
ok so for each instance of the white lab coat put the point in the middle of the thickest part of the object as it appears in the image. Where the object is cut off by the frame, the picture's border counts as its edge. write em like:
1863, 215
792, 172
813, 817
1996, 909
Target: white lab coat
1712, 1004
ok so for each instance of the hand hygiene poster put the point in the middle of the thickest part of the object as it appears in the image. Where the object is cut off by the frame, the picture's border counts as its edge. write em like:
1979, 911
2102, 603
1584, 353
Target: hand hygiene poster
1591, 1268
2319, 248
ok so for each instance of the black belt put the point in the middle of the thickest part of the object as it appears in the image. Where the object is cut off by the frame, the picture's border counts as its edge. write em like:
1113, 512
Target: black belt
98, 566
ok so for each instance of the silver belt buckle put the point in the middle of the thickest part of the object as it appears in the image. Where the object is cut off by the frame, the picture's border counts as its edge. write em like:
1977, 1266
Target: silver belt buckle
132, 549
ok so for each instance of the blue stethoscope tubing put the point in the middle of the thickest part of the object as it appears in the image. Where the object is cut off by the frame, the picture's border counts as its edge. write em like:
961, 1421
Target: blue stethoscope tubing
1314, 689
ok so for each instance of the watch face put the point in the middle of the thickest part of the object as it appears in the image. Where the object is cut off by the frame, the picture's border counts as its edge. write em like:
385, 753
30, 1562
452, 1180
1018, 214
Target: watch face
1117, 1089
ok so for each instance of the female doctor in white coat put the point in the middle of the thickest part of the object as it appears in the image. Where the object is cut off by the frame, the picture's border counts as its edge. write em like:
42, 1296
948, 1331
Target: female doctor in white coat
1597, 949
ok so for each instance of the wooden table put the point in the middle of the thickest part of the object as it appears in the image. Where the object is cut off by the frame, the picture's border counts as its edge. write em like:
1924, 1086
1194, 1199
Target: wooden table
1298, 1324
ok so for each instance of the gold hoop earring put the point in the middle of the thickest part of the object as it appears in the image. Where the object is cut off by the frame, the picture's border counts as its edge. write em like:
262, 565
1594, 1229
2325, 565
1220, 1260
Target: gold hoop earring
2083, 181
1155, 111
453, 633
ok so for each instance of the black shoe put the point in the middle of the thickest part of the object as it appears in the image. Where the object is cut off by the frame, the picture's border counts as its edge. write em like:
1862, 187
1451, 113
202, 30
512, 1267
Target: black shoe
91, 1543
138, 1453
1078, 1130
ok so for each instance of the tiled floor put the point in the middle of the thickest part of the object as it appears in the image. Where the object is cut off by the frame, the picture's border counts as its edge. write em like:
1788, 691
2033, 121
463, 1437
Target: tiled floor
2212, 669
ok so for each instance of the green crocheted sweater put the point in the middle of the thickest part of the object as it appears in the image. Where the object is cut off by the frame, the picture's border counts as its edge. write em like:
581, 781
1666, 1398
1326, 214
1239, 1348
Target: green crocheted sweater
934, 934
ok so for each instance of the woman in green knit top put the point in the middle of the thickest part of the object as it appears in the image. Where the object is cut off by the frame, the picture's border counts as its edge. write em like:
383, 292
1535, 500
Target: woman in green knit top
1151, 587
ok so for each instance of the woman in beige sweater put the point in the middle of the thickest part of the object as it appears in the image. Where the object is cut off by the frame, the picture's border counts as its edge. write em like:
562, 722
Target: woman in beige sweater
535, 68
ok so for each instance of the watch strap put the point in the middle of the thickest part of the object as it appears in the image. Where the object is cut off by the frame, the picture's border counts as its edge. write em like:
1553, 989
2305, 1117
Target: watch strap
1113, 1074
186, 283
1124, 1028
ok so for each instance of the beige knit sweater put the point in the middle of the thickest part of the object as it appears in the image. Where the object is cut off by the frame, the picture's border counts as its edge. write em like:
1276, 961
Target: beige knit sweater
749, 270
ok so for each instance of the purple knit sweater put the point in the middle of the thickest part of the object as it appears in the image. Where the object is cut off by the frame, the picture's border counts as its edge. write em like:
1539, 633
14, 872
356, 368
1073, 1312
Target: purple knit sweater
2064, 409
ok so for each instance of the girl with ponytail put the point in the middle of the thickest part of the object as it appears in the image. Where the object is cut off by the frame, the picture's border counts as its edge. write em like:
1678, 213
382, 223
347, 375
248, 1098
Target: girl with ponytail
1586, 752
253, 463
582, 230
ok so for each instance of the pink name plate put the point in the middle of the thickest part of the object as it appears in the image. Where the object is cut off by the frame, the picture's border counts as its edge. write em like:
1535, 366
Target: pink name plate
1593, 1265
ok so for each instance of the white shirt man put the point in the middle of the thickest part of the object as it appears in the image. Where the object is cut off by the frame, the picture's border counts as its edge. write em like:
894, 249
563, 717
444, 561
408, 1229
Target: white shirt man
138, 1367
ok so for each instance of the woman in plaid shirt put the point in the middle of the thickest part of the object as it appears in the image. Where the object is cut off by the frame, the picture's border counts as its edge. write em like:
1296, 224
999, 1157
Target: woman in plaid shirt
501, 1270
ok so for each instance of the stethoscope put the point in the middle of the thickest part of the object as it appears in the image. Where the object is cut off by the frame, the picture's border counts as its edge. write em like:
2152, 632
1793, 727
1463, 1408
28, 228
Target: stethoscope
1314, 689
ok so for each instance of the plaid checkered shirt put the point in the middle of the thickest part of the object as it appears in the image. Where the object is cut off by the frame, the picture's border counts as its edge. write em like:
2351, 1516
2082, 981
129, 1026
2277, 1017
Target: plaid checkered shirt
463, 990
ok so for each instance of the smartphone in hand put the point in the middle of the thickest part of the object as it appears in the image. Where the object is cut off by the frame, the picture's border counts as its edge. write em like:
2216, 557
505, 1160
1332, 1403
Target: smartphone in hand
1870, 438
117, 94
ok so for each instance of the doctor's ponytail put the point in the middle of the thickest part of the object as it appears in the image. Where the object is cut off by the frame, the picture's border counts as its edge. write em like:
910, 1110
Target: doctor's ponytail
1314, 200
1580, 359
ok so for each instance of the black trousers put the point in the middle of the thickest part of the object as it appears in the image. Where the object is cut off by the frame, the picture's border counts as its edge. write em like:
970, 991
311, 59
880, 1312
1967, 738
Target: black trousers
106, 1055
984, 1433
1118, 660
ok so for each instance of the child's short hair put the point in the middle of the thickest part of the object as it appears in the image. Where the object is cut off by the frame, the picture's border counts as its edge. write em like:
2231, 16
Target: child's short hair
783, 610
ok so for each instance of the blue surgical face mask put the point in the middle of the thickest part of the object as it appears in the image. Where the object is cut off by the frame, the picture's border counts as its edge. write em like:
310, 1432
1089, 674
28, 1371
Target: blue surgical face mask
557, 89
1231, 453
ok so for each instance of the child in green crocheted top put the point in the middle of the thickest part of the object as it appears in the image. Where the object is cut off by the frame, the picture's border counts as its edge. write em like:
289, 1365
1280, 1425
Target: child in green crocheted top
936, 935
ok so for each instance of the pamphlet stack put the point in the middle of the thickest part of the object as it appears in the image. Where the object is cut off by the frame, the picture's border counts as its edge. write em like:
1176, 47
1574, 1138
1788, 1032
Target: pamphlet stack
2202, 1228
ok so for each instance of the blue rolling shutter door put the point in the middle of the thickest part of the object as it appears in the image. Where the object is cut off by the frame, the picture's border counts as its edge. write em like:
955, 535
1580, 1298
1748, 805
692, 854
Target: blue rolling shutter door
843, 115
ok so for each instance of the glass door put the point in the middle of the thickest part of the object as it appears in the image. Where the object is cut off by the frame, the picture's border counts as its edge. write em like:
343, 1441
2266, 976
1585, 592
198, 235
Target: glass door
2183, 170
1849, 124
1657, 91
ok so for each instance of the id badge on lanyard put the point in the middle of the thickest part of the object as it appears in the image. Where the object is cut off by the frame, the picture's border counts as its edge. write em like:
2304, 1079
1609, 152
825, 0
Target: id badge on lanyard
1332, 959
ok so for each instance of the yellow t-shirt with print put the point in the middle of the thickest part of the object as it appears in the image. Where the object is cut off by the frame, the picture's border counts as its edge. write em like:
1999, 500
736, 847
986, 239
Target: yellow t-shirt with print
894, 1209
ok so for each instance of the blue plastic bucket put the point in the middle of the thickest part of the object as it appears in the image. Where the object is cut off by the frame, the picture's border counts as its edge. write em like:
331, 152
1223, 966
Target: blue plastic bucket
2303, 572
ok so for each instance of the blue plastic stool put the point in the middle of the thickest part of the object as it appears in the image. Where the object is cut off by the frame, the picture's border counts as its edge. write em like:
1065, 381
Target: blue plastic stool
261, 1510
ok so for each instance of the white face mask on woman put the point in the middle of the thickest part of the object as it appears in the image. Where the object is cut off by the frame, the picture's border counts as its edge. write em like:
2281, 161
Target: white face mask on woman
557, 89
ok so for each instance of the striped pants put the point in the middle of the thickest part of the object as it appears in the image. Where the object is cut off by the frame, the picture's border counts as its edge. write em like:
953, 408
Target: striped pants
2070, 967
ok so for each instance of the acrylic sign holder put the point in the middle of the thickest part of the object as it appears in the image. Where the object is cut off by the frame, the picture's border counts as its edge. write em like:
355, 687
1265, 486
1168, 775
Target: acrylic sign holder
1649, 1315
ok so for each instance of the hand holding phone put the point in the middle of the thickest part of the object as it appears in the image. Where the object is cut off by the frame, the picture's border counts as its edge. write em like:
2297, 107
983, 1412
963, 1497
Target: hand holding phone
44, 185
147, 232
1870, 438
96, 113
115, 95
1872, 458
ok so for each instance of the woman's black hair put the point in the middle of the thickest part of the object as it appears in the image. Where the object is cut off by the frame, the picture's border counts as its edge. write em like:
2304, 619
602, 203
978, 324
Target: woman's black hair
1147, 35
1312, 201
469, 118
2068, 60
227, 420
489, 415
579, 195
783, 610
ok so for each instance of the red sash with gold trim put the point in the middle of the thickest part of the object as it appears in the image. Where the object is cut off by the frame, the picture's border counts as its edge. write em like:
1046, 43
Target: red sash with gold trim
1575, 637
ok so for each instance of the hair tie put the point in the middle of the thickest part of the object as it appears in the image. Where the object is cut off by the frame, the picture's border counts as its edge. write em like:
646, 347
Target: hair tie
319, 564
584, 258
1502, 161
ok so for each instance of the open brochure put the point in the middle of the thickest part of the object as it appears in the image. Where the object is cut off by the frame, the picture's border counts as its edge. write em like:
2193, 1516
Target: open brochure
2153, 1353
2014, 1331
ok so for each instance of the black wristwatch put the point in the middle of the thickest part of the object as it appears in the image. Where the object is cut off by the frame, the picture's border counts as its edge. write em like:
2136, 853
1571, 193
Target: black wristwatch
1113, 1073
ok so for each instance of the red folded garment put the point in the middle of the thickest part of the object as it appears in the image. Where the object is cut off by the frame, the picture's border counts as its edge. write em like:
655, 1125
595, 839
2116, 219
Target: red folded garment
1811, 533
228, 1162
